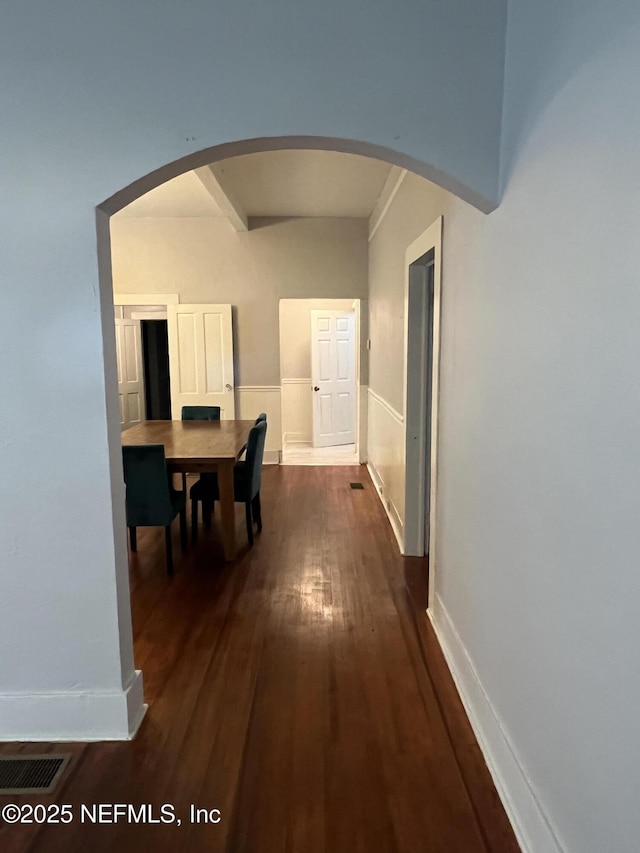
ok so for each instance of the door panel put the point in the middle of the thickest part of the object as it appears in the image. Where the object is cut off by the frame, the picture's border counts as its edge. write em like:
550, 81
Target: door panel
325, 414
343, 367
185, 357
201, 357
130, 372
213, 337
324, 367
343, 412
134, 413
333, 362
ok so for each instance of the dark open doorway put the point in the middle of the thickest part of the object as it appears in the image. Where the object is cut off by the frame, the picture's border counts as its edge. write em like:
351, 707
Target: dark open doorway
155, 353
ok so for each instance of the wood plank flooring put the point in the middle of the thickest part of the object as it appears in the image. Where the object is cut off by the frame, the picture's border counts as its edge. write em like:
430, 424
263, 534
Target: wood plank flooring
300, 691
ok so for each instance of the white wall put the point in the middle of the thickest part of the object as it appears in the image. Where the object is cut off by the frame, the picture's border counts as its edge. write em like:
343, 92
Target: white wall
539, 488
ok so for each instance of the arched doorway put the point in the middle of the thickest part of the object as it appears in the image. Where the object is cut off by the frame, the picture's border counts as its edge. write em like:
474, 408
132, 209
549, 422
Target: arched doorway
113, 205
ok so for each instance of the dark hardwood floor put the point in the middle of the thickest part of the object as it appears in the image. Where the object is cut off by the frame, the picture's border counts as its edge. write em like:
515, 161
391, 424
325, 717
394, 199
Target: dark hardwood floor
300, 691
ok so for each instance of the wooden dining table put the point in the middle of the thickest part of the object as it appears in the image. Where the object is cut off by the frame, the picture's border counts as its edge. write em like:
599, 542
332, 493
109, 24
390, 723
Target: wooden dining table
195, 447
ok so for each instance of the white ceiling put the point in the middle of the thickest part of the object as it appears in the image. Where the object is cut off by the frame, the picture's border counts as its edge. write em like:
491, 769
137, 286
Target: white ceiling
305, 183
275, 183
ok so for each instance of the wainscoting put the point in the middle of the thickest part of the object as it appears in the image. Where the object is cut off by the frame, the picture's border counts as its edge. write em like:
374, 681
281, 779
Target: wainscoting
297, 420
288, 408
386, 446
253, 399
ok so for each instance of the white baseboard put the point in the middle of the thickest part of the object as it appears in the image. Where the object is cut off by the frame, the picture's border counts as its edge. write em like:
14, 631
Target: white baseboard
531, 825
73, 715
389, 507
295, 440
271, 457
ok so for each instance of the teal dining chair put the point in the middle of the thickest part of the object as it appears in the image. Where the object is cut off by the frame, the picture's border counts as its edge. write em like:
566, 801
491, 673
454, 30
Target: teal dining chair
261, 417
247, 476
150, 499
198, 413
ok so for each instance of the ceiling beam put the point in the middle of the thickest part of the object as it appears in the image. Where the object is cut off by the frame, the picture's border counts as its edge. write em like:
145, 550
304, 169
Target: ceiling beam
391, 186
219, 188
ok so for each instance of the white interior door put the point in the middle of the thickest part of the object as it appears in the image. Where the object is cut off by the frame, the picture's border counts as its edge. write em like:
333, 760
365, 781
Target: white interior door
201, 358
130, 372
333, 374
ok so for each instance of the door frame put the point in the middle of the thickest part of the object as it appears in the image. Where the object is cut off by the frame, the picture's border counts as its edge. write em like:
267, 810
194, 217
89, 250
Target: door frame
323, 302
146, 302
415, 384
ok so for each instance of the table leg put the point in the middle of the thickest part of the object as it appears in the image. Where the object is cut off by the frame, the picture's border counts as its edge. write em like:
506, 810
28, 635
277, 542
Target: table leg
227, 508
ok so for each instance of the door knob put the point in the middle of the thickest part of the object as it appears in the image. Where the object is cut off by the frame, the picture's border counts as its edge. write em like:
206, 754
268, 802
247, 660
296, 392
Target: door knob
316, 387
228, 387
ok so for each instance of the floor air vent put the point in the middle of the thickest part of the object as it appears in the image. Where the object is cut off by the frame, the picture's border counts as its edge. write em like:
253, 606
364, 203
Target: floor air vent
356, 485
31, 774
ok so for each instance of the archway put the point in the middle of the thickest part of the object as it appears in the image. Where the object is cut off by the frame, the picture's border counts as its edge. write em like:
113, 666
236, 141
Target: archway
213, 154
124, 197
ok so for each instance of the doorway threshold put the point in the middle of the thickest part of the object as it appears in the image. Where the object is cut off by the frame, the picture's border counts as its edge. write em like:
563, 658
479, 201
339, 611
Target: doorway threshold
302, 454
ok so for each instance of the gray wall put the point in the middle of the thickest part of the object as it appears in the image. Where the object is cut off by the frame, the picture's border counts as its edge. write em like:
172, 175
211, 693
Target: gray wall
539, 474
539, 459
417, 204
204, 260
94, 97
540, 456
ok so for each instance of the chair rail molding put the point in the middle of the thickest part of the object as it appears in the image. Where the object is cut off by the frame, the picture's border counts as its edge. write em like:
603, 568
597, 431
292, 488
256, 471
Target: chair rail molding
395, 414
386, 464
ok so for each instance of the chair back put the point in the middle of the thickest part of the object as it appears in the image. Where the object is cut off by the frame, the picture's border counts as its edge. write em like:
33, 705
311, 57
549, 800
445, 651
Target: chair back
148, 495
201, 413
255, 453
261, 417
